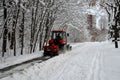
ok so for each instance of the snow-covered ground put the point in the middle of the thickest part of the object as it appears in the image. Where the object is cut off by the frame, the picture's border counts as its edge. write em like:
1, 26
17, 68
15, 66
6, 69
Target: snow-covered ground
87, 61
9, 61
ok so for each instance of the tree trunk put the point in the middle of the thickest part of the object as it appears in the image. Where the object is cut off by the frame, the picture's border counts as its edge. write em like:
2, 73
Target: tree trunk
5, 30
32, 29
40, 30
116, 44
22, 32
15, 18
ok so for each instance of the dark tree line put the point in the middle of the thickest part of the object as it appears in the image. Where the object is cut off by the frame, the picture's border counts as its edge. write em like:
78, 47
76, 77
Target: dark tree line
27, 24
114, 19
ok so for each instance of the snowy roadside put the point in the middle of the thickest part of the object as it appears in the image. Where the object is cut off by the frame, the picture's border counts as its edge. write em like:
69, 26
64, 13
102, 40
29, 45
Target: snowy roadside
18, 59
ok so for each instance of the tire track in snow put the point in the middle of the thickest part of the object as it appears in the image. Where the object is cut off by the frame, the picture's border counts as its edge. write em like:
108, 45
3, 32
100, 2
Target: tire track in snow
95, 68
84, 59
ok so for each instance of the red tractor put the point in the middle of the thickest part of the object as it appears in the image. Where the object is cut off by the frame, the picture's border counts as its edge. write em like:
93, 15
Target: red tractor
57, 43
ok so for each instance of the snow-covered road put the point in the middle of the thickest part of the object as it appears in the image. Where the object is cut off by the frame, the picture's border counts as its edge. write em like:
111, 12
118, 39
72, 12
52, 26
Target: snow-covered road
87, 61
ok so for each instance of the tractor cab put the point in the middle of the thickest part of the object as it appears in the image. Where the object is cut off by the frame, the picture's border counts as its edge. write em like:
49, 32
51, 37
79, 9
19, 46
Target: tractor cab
59, 37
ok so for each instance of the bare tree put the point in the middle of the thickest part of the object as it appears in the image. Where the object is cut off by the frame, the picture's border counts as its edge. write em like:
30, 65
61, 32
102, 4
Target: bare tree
5, 29
21, 30
115, 20
15, 21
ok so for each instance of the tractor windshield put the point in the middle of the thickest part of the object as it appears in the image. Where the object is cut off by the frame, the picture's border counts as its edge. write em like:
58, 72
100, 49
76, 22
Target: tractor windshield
58, 35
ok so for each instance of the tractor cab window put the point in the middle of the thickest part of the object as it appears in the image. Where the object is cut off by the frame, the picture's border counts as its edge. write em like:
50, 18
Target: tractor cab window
58, 35
64, 36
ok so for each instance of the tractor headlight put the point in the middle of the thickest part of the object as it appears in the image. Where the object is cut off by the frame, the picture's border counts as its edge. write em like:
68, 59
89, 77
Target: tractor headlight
64, 42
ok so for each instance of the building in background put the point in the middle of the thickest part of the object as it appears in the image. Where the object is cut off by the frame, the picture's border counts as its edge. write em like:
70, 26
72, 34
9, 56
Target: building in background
97, 20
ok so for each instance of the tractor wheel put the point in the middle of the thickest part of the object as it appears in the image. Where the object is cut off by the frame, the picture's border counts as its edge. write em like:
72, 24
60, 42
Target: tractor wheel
53, 54
69, 47
45, 54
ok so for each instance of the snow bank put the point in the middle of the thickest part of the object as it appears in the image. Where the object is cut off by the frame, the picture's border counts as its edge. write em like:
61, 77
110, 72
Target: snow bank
18, 59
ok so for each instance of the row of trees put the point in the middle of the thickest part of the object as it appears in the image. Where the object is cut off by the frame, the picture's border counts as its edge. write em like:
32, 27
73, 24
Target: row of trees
27, 23
113, 9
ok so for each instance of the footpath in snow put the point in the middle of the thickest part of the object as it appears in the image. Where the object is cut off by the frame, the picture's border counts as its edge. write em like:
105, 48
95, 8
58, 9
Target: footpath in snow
87, 61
